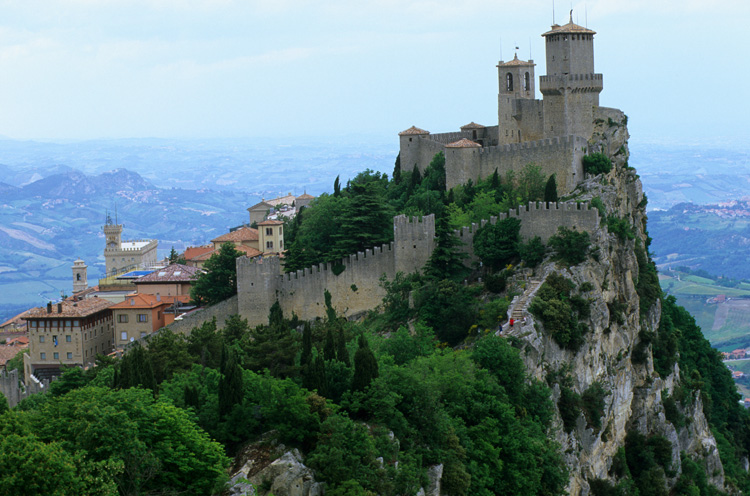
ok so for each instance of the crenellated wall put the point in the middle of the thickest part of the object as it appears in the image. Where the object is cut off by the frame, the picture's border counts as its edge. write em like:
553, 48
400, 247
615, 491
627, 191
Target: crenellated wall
260, 282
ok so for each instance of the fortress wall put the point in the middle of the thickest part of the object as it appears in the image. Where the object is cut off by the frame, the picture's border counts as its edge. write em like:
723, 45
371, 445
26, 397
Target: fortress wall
220, 311
530, 118
356, 289
14, 392
427, 150
446, 138
537, 219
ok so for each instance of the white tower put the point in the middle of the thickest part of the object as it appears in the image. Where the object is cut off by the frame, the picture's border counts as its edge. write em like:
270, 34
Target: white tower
80, 280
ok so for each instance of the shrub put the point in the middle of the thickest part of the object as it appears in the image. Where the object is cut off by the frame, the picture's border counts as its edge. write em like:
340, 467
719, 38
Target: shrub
592, 402
495, 283
570, 246
559, 311
532, 253
620, 227
597, 163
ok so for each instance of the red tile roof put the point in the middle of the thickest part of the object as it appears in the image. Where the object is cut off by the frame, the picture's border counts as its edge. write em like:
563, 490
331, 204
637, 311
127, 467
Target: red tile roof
70, 308
241, 234
463, 143
171, 273
194, 251
305, 196
472, 125
413, 130
141, 300
270, 223
249, 251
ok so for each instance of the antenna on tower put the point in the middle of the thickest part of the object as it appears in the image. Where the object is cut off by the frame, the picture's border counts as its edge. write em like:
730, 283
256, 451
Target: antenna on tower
586, 10
115, 212
530, 57
501, 48
553, 12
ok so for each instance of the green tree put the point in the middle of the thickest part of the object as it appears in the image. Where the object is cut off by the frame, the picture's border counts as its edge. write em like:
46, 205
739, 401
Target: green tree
205, 344
219, 281
446, 261
306, 356
550, 190
329, 350
337, 187
230, 384
497, 244
596, 163
397, 170
173, 255
342, 354
168, 353
532, 253
365, 366
570, 246
531, 184
135, 370
365, 223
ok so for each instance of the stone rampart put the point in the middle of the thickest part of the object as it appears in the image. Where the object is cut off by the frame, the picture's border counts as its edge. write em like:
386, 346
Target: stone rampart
537, 219
14, 391
354, 290
221, 311
559, 156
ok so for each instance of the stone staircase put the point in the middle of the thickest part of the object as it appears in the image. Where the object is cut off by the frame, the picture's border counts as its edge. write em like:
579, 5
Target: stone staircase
520, 303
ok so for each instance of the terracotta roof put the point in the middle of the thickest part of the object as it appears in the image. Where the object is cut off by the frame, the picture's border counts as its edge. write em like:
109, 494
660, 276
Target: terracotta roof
207, 255
570, 27
70, 308
19, 341
472, 125
140, 300
171, 273
241, 234
515, 62
463, 143
270, 223
413, 130
248, 250
305, 196
14, 320
192, 252
8, 352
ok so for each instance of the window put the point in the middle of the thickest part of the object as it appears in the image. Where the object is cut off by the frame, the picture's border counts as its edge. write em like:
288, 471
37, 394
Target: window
526, 82
56, 355
75, 323
509, 82
41, 339
67, 323
122, 319
43, 355
68, 338
33, 323
280, 230
123, 336
269, 244
70, 356
269, 231
142, 317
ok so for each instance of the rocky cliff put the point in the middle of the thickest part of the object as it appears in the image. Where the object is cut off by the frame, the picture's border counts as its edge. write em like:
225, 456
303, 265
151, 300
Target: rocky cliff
615, 353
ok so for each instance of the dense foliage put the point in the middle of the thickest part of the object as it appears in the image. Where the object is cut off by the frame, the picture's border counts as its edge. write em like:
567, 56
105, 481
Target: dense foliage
596, 163
219, 281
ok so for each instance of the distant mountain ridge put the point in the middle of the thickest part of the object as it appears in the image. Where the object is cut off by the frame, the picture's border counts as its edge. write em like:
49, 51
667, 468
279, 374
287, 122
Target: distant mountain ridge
74, 183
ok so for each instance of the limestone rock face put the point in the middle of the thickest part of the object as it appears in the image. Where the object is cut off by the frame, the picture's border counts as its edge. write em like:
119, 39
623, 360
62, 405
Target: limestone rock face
269, 468
635, 390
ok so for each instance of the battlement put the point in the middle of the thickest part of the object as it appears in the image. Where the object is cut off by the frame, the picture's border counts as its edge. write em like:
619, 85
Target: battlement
554, 85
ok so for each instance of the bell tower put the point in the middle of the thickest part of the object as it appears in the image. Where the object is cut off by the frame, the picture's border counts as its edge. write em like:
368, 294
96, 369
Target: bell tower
516, 87
113, 243
80, 280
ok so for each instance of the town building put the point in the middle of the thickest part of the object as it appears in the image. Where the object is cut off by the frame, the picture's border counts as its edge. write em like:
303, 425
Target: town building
175, 280
122, 256
70, 333
283, 206
138, 316
271, 236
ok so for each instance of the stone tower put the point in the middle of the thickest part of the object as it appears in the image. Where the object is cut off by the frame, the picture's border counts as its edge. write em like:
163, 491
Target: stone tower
514, 101
80, 279
571, 87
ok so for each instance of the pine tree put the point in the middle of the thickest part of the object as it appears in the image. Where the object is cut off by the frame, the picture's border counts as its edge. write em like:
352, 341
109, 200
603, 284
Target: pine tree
230, 384
550, 190
306, 356
173, 256
365, 366
367, 222
342, 354
136, 370
318, 376
329, 351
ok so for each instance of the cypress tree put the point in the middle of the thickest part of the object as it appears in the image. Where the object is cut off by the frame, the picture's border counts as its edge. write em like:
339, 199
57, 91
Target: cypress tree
276, 316
319, 376
230, 384
445, 262
329, 351
397, 170
192, 397
306, 345
550, 190
342, 354
136, 370
337, 187
365, 366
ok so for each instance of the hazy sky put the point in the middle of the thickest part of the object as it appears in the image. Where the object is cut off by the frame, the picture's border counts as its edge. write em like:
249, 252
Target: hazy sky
221, 68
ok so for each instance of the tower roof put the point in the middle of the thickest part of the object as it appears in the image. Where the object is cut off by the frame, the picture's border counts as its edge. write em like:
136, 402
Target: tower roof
463, 143
413, 130
516, 62
472, 125
569, 28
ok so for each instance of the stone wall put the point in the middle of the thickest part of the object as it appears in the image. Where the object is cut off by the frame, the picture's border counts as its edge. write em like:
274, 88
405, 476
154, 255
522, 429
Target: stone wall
357, 288
14, 392
221, 311
354, 290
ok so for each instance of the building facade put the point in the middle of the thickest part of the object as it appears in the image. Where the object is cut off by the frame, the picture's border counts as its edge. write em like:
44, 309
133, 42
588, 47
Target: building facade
138, 316
69, 333
121, 256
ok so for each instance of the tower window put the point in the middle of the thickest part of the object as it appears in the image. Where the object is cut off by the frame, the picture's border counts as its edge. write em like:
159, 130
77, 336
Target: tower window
526, 82
509, 82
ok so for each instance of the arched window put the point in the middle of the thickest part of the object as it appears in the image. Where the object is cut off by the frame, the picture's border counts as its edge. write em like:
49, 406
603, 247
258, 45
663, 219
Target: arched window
509, 82
526, 82
78, 277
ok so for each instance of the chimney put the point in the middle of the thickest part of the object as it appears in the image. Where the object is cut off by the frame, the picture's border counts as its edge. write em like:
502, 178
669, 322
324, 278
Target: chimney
59, 308
49, 307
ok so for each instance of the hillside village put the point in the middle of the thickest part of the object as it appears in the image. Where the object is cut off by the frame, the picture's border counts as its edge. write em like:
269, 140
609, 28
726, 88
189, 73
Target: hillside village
503, 333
